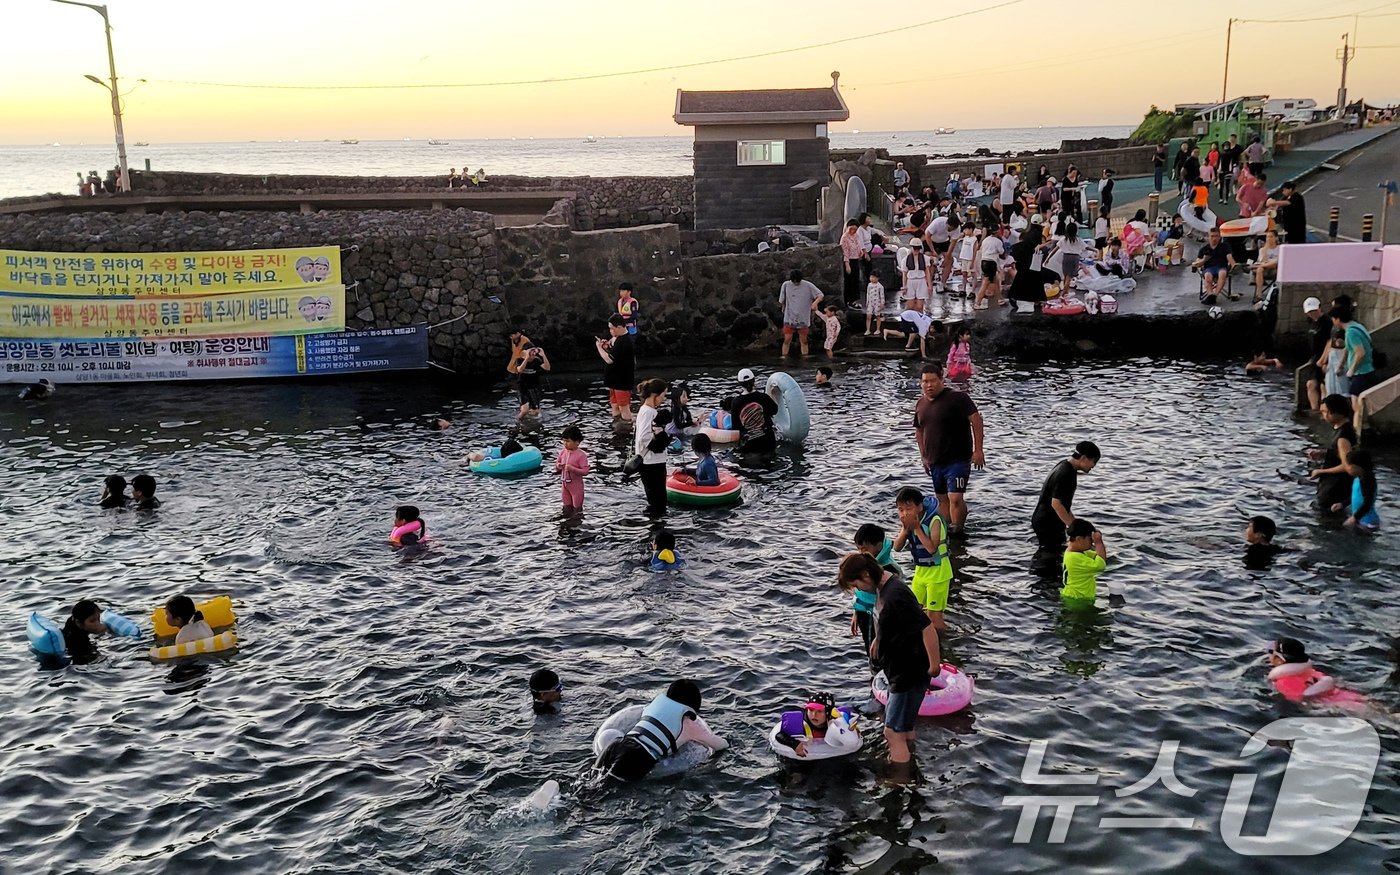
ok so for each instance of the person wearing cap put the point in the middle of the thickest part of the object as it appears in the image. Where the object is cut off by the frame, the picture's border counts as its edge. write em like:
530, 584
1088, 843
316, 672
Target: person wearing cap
915, 269
1319, 344
753, 413
901, 177
799, 299
545, 691
1054, 511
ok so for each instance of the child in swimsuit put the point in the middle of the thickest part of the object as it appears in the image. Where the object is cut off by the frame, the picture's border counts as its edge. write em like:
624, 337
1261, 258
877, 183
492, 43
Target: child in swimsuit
509, 447
923, 531
1363, 493
409, 528
546, 690
572, 464
705, 471
832, 319
819, 720
1085, 559
959, 364
1293, 675
663, 552
113, 492
180, 613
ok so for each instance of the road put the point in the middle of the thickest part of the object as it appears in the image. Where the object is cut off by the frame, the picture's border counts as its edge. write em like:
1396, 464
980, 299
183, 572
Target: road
1353, 189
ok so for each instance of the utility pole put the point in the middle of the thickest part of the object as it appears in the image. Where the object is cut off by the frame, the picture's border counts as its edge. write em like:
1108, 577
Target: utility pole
1345, 54
123, 174
1224, 85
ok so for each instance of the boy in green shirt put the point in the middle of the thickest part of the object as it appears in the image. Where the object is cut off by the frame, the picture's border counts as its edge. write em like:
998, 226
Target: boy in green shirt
1085, 559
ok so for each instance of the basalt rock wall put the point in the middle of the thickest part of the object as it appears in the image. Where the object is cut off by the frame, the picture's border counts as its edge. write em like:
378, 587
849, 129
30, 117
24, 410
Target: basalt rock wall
600, 201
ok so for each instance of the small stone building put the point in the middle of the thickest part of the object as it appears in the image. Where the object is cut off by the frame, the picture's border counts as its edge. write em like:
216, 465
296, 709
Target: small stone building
753, 147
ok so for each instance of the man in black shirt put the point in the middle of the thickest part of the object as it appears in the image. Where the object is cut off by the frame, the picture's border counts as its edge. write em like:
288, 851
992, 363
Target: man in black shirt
1292, 213
1215, 261
1230, 155
619, 368
753, 414
1333, 476
1319, 339
1053, 512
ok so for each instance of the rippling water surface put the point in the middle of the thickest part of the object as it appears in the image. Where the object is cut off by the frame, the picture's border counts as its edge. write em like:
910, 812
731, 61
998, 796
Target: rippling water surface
373, 719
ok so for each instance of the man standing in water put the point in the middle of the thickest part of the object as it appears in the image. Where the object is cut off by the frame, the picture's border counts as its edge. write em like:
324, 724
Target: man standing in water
619, 368
1319, 339
753, 414
948, 431
799, 299
1053, 512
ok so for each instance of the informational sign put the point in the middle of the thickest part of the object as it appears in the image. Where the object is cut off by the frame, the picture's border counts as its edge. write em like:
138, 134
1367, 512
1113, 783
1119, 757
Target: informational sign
213, 358
276, 311
166, 274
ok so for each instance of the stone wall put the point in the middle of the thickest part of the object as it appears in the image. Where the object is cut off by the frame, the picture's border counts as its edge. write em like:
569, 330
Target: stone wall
1300, 137
410, 266
730, 196
601, 201
1125, 161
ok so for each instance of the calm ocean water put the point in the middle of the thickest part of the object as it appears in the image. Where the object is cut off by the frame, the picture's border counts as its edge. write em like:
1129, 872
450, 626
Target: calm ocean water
375, 719
30, 170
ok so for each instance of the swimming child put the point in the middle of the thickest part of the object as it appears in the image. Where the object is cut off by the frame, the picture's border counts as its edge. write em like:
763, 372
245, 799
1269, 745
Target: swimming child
874, 305
1085, 559
84, 622
409, 527
870, 539
664, 556
831, 317
1259, 546
823, 377
705, 471
819, 720
1262, 362
509, 447
572, 465
180, 613
923, 531
670, 722
1293, 675
113, 492
1363, 492
143, 492
545, 691
959, 364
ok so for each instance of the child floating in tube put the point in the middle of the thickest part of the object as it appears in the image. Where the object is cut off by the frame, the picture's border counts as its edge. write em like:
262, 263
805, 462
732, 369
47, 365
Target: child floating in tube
180, 612
670, 722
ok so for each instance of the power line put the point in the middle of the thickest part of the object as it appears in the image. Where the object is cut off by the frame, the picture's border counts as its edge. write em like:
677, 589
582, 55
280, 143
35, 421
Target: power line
594, 76
1361, 14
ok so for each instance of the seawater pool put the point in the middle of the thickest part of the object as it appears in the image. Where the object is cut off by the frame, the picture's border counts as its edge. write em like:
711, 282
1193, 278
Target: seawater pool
374, 718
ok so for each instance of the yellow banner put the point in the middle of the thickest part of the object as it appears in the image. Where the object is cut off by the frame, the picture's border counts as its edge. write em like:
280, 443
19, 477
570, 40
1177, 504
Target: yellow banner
282, 311
166, 274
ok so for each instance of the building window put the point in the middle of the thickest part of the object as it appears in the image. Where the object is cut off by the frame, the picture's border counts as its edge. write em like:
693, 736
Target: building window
761, 152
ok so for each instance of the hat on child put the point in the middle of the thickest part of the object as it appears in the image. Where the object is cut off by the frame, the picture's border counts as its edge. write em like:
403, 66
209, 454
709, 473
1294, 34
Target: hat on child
1311, 304
746, 376
917, 242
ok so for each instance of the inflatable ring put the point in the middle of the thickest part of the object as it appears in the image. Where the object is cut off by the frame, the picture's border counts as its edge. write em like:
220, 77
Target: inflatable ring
527, 461
792, 420
1063, 307
217, 612
1255, 226
223, 641
1188, 217
719, 435
955, 695
690, 495
817, 749
617, 725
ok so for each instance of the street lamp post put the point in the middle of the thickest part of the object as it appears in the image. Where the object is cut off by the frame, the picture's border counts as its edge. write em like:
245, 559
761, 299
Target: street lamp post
116, 97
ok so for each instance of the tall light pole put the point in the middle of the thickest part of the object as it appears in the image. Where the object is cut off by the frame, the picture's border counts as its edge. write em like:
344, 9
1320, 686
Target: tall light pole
116, 98
1344, 54
1229, 32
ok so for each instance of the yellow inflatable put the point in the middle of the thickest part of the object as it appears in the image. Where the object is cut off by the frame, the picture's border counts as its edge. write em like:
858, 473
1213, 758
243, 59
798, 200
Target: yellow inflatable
222, 641
217, 612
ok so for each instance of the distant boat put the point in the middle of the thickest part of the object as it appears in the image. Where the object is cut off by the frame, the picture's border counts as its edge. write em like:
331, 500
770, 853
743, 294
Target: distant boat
590, 139
55, 144
946, 131
143, 144
349, 142
437, 142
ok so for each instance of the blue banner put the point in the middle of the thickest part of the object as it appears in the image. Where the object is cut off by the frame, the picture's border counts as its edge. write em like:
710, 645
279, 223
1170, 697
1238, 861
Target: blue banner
213, 358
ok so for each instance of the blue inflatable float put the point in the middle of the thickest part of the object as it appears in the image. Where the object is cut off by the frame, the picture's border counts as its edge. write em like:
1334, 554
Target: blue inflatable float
527, 461
46, 636
792, 420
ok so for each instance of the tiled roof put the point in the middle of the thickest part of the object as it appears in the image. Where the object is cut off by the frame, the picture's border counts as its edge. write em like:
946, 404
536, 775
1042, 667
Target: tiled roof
768, 100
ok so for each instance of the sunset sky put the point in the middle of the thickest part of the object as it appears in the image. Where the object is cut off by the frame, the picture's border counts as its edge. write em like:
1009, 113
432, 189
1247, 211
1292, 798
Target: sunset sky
1000, 68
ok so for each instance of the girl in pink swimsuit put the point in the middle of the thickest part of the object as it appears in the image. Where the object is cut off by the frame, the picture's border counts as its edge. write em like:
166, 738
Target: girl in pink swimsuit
572, 464
1293, 675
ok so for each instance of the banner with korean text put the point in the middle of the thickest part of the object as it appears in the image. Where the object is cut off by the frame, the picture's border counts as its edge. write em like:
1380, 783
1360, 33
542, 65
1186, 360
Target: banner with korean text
166, 274
213, 358
276, 311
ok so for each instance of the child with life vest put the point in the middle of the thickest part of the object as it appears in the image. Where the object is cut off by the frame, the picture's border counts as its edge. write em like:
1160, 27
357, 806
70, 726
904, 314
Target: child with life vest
1293, 675
670, 722
664, 556
572, 465
923, 531
819, 720
409, 528
871, 540
1085, 559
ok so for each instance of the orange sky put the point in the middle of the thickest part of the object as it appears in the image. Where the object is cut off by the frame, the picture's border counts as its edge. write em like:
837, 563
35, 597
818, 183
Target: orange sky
979, 71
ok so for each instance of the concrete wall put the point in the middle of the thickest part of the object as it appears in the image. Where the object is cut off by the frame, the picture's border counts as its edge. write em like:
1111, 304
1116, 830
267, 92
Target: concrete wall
1300, 137
1329, 262
602, 201
1390, 266
730, 196
1125, 161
